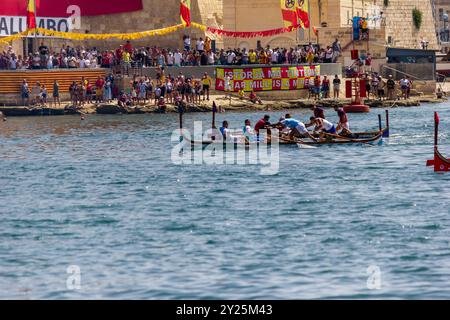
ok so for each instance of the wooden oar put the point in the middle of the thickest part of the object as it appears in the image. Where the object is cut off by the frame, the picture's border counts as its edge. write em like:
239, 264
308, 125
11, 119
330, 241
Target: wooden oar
299, 142
346, 139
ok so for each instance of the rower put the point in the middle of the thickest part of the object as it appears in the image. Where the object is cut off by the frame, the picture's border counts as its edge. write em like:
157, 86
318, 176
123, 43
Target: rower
298, 128
224, 130
249, 134
262, 124
343, 126
323, 125
319, 112
226, 133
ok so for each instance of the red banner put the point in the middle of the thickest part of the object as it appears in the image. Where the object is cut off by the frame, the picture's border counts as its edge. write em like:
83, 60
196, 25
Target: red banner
252, 34
265, 78
58, 8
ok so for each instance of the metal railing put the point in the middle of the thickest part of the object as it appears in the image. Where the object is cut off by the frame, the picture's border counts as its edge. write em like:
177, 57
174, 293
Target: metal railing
404, 73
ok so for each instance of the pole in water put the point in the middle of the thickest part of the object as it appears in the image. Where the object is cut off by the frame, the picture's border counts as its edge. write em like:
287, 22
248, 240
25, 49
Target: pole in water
213, 125
379, 123
387, 133
436, 128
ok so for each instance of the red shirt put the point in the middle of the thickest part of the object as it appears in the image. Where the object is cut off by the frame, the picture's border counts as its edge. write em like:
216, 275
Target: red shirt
260, 125
128, 47
99, 83
119, 53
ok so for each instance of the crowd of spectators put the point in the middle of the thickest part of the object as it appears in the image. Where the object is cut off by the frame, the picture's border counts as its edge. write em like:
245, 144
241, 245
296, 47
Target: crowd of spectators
201, 53
161, 90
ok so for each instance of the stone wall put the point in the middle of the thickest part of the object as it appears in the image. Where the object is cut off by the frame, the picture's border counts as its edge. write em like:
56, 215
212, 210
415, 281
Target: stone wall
255, 15
400, 27
156, 14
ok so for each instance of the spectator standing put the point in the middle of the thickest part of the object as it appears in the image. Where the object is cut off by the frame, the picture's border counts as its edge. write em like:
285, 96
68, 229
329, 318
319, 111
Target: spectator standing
336, 87
207, 84
36, 93
178, 58
325, 87
336, 46
200, 45
187, 43
56, 98
25, 92
391, 88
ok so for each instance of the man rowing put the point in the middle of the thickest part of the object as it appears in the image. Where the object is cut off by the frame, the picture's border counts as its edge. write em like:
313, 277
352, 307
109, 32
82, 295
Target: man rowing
323, 126
319, 112
227, 133
298, 128
249, 133
263, 124
343, 126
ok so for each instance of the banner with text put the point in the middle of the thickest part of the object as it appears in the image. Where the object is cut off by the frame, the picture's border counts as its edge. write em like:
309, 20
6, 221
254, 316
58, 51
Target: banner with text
265, 78
10, 25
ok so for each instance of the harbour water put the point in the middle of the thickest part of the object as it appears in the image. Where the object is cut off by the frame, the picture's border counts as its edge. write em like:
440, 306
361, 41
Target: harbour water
103, 195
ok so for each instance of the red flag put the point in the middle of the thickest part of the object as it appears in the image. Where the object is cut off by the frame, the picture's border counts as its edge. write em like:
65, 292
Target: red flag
303, 12
31, 14
185, 12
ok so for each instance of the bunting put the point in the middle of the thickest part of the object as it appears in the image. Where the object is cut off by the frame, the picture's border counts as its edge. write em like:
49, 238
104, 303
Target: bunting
150, 33
185, 12
246, 34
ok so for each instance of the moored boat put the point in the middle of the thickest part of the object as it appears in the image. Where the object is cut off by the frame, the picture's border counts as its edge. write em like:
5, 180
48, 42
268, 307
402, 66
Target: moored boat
440, 163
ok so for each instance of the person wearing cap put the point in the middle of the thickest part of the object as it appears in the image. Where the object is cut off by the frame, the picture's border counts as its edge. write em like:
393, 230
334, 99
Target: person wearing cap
391, 88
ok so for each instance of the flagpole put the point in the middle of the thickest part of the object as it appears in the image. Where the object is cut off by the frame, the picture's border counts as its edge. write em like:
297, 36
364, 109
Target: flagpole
309, 13
35, 18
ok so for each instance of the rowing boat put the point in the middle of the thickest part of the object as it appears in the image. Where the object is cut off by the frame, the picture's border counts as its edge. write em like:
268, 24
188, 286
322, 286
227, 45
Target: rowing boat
440, 163
355, 138
326, 141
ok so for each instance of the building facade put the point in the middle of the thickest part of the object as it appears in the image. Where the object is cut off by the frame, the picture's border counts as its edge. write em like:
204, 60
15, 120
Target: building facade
391, 23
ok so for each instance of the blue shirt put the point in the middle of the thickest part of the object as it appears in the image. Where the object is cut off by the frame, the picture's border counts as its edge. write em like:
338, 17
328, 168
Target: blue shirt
291, 123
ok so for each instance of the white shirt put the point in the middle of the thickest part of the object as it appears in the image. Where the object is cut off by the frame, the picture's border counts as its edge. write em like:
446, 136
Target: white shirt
170, 59
227, 83
275, 56
211, 58
12, 63
177, 58
200, 45
231, 57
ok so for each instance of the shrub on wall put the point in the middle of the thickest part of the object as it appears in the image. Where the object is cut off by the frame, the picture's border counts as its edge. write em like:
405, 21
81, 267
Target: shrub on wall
386, 3
417, 17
